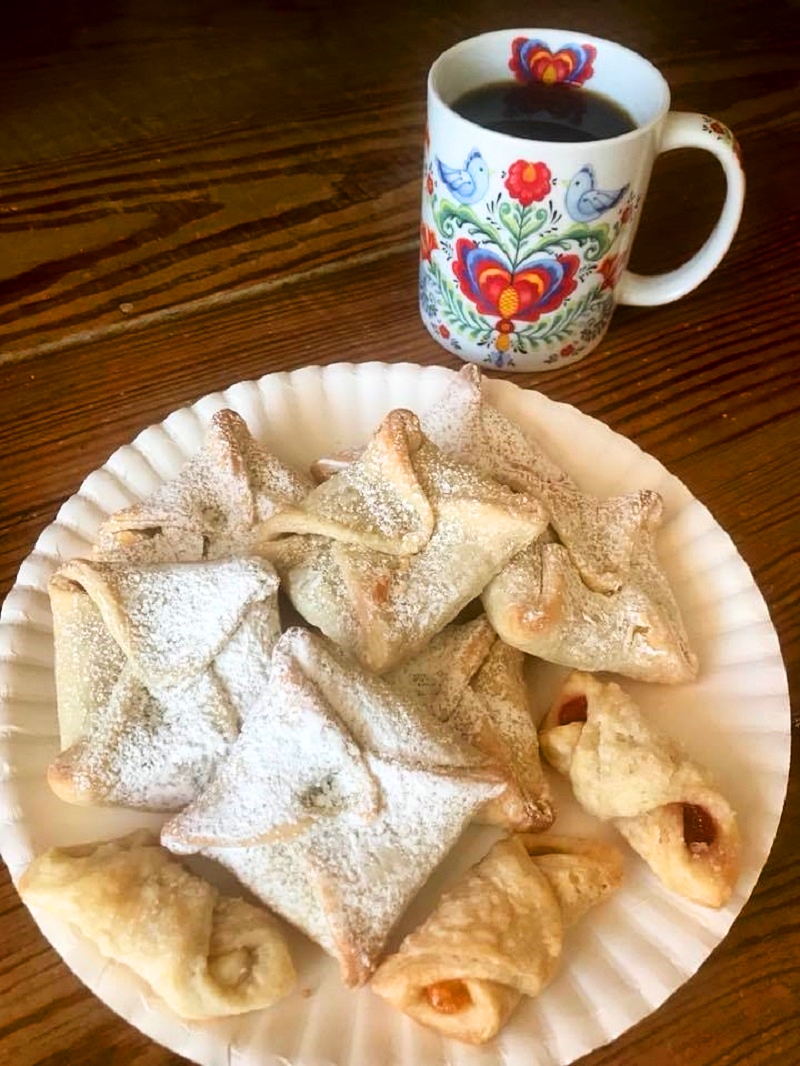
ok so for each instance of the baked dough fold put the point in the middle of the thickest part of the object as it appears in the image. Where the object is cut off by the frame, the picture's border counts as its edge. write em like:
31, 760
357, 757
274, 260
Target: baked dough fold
497, 935
204, 953
624, 770
539, 603
155, 666
384, 607
375, 811
470, 679
212, 508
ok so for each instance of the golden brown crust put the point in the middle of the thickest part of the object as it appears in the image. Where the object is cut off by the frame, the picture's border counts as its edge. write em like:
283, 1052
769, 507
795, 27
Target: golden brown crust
497, 935
624, 770
207, 955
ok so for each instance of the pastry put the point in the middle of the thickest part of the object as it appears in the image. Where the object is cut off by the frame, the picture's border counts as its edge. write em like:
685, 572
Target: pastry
497, 935
601, 536
205, 954
539, 603
212, 508
384, 608
494, 714
155, 666
624, 770
366, 842
470, 679
380, 500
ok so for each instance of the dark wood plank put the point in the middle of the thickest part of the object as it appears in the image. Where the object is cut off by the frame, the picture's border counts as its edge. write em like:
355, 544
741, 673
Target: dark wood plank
155, 158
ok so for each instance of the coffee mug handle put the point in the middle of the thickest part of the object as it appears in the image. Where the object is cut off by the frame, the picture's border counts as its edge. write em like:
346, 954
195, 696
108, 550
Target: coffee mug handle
684, 129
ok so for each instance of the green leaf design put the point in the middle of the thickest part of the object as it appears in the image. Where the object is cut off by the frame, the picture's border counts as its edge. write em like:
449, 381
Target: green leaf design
451, 217
594, 241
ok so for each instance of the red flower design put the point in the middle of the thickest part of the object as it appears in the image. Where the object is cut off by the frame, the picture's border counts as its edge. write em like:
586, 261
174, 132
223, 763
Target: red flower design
627, 211
427, 242
444, 332
429, 184
567, 351
527, 182
610, 268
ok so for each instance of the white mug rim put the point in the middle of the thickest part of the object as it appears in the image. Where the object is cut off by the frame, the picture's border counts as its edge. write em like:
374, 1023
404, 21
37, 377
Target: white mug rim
509, 139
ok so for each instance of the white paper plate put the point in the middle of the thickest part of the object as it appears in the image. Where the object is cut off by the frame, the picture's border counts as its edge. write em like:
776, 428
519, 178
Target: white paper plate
621, 962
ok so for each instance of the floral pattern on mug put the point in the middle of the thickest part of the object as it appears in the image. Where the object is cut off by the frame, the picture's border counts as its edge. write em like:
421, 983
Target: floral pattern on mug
532, 60
527, 182
722, 133
514, 273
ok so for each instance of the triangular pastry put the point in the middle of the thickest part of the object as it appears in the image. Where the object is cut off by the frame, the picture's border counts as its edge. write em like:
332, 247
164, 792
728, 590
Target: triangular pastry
351, 871
497, 935
494, 714
206, 954
155, 666
624, 770
470, 679
211, 508
539, 603
385, 608
438, 677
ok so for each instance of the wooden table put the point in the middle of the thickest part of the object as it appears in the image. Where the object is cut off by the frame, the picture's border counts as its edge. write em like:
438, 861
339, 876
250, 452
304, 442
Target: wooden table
195, 193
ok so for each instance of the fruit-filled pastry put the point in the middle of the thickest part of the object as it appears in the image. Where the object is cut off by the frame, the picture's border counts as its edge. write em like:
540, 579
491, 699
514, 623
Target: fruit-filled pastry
337, 800
384, 606
155, 666
497, 935
623, 769
212, 508
473, 681
204, 953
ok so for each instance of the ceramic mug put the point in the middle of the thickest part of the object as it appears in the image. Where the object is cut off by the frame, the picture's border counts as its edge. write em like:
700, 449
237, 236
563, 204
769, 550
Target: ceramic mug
524, 243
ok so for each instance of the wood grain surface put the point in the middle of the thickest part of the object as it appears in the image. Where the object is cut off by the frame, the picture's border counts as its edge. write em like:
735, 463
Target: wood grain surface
195, 193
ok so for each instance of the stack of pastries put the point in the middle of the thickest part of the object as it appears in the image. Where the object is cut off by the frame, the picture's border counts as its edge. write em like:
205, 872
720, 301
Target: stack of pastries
330, 764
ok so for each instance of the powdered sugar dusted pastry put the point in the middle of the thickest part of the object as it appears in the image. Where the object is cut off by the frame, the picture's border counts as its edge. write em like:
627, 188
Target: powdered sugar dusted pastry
496, 936
623, 769
155, 666
380, 500
438, 677
539, 603
600, 535
470, 679
494, 715
206, 954
211, 509
368, 841
385, 608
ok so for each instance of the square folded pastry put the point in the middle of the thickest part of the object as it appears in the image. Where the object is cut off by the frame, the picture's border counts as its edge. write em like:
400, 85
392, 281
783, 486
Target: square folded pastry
624, 770
336, 802
211, 508
470, 679
384, 606
497, 935
155, 666
206, 954
540, 604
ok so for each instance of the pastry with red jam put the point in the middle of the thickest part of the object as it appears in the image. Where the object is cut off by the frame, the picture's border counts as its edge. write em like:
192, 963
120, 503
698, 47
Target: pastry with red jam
622, 769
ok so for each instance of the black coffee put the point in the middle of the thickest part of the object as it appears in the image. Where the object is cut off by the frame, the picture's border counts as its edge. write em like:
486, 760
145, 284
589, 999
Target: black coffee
536, 111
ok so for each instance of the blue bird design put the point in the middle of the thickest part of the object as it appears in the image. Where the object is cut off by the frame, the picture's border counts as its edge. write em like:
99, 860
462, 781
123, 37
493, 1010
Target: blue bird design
471, 183
584, 202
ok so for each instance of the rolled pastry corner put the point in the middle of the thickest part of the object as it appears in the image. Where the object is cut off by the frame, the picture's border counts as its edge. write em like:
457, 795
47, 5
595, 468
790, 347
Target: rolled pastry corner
205, 954
625, 771
497, 935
